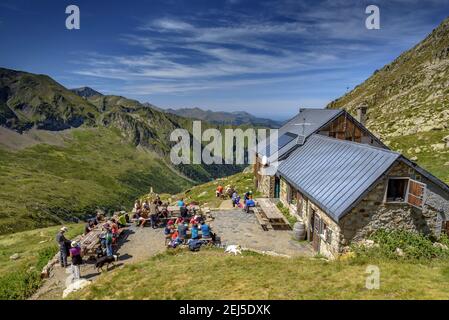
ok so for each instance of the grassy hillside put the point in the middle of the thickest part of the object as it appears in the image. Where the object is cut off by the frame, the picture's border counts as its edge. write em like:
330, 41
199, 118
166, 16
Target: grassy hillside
410, 98
44, 184
20, 278
96, 151
210, 274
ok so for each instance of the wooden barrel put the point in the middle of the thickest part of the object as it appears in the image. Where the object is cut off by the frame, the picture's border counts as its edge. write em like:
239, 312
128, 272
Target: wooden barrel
299, 231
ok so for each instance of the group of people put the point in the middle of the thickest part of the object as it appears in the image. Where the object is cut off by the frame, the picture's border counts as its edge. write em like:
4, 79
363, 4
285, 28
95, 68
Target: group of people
72, 249
110, 231
149, 210
248, 201
177, 230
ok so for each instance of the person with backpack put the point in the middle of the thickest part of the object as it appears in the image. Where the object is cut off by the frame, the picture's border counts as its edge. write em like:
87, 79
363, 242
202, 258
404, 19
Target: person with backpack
63, 248
77, 260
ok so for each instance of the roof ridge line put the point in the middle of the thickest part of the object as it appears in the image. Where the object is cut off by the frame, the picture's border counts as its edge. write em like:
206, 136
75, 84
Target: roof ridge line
359, 144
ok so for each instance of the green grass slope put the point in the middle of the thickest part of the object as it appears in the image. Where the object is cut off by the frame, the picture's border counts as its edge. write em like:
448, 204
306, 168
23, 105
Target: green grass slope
210, 274
43, 185
20, 278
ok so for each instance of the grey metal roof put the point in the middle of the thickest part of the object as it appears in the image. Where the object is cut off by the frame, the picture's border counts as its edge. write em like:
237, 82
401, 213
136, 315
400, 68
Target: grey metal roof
335, 173
306, 122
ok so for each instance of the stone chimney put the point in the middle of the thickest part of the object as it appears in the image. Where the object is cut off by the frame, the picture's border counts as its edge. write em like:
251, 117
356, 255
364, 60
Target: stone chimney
361, 113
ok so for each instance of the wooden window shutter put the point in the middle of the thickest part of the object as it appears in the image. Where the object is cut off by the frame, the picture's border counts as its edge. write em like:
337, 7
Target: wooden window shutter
416, 193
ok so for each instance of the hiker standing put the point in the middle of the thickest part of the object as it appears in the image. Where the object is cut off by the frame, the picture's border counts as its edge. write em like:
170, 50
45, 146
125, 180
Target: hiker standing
108, 240
63, 248
153, 214
77, 260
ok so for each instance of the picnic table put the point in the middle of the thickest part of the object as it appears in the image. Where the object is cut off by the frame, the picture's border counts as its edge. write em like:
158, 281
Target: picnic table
90, 241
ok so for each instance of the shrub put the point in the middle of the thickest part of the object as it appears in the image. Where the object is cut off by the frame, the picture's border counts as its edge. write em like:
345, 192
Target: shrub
286, 212
415, 246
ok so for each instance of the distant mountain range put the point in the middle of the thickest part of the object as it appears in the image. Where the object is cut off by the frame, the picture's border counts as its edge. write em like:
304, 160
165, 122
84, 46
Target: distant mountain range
225, 118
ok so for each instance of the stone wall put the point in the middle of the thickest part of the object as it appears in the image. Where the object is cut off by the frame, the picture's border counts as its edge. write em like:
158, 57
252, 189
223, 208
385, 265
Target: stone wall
266, 186
372, 213
283, 194
328, 249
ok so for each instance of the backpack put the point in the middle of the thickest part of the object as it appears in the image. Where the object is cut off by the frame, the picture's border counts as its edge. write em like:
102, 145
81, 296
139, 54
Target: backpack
195, 245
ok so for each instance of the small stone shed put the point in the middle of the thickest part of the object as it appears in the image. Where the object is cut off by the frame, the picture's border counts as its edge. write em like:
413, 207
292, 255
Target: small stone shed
344, 186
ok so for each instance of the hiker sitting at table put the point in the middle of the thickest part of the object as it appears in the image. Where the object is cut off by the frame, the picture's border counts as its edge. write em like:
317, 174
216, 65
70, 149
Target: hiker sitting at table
64, 245
219, 191
99, 218
247, 195
114, 229
146, 205
122, 221
182, 230
205, 230
249, 204
235, 200
77, 260
194, 220
194, 232
168, 229
175, 240
90, 225
234, 195
181, 203
179, 220
184, 212
164, 211
143, 218
137, 207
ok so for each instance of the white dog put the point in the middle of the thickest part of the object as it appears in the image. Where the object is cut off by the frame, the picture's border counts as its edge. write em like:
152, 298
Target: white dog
235, 249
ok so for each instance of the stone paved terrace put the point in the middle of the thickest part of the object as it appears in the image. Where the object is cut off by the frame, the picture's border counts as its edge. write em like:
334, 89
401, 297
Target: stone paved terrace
238, 227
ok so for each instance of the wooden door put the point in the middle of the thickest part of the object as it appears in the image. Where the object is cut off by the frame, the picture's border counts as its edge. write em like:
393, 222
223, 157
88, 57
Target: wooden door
315, 229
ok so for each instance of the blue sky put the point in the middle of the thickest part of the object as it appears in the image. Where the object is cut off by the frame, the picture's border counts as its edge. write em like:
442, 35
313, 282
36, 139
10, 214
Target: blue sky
265, 57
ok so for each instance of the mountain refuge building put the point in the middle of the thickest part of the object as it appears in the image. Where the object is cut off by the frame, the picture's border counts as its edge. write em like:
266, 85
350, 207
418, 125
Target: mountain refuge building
344, 183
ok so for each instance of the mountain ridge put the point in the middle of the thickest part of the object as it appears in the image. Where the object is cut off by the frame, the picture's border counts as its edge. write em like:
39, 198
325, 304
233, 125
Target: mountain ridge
225, 118
408, 102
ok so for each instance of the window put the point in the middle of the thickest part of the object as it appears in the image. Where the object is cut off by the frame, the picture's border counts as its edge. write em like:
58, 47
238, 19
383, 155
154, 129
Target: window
292, 195
397, 189
325, 232
405, 190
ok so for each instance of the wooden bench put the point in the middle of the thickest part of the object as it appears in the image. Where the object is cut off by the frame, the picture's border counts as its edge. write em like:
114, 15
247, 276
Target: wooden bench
271, 215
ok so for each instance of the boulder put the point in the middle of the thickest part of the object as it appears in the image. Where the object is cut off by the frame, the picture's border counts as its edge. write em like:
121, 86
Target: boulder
440, 245
15, 256
438, 146
446, 139
399, 252
75, 286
